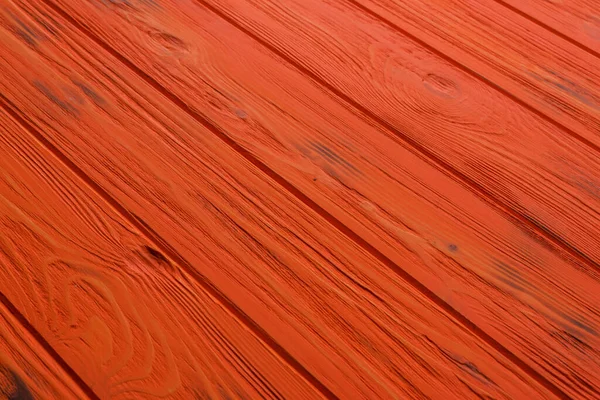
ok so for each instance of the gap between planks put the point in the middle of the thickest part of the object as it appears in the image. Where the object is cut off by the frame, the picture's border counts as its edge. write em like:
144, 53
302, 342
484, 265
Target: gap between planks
159, 242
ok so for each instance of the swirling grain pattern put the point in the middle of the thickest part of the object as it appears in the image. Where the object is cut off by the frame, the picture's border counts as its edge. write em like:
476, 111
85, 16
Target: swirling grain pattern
508, 50
528, 297
327, 306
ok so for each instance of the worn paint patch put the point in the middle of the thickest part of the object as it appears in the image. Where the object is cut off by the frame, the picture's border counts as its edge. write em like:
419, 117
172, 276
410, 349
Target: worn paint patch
332, 157
567, 87
90, 93
575, 326
64, 105
27, 34
512, 278
12, 386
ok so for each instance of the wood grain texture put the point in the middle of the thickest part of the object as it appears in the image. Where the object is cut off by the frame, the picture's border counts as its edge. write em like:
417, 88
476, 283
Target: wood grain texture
550, 75
336, 309
576, 20
27, 370
127, 319
130, 321
466, 253
537, 169
512, 53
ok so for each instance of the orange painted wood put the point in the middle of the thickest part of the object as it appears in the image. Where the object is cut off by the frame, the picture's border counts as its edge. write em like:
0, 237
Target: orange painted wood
550, 75
127, 319
577, 20
27, 370
477, 263
536, 168
339, 311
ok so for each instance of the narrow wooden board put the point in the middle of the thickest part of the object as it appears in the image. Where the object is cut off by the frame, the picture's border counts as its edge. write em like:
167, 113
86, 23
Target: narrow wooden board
127, 319
473, 261
323, 301
537, 169
576, 20
28, 370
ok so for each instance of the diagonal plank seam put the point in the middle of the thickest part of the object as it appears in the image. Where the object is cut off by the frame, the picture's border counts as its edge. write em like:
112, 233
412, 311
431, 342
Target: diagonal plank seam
420, 150
89, 392
467, 324
171, 253
548, 28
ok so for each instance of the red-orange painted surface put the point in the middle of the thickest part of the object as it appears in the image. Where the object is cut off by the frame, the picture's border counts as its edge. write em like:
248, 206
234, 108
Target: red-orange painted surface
256, 199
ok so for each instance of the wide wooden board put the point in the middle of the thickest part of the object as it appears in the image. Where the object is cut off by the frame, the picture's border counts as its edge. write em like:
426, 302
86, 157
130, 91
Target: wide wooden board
576, 20
449, 243
324, 304
29, 369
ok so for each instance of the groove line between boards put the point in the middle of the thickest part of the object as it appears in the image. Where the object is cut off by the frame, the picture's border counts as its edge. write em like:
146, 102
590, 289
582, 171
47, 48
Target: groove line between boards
21, 319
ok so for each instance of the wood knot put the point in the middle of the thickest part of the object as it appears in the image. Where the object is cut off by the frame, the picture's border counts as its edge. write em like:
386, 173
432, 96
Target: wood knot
166, 42
156, 255
441, 86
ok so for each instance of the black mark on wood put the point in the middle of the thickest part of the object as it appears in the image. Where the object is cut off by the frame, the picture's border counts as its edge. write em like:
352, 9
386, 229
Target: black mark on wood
90, 93
12, 386
65, 106
157, 255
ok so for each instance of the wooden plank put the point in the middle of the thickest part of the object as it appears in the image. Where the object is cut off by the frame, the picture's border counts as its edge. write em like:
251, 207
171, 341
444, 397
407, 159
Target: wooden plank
460, 248
28, 369
362, 330
124, 316
576, 20
557, 297
547, 177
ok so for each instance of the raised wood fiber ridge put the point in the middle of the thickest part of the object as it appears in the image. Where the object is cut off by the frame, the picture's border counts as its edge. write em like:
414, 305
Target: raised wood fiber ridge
476, 132
345, 316
260, 199
359, 173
